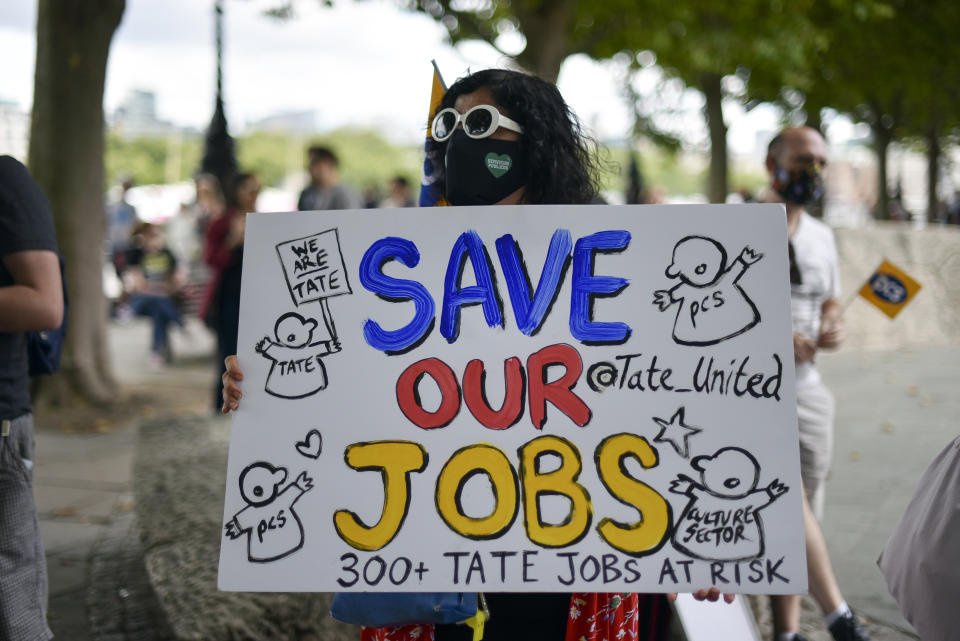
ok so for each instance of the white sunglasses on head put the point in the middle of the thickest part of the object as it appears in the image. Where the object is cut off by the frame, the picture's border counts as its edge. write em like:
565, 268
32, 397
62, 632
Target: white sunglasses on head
479, 122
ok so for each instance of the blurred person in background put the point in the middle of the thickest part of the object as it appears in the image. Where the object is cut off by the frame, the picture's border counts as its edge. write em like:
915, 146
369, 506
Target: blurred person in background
223, 252
325, 190
181, 236
895, 207
796, 159
655, 196
31, 299
122, 219
185, 237
188, 229
154, 281
209, 204
953, 209
399, 194
372, 195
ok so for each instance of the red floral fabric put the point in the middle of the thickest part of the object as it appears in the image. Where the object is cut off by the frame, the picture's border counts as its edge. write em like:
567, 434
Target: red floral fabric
592, 617
400, 633
602, 617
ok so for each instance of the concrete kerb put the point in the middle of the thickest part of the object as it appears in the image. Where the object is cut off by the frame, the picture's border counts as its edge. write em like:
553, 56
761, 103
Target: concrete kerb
179, 476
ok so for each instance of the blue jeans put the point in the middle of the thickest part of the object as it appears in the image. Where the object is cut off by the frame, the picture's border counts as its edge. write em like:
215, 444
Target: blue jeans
162, 311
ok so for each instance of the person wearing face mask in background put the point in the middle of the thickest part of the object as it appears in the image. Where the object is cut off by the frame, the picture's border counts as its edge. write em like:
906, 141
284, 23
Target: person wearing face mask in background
796, 159
509, 138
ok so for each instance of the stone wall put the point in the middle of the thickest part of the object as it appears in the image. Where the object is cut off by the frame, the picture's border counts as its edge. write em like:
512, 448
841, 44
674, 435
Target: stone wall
179, 476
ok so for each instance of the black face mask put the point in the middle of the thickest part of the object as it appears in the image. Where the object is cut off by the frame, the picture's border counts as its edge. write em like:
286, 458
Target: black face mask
482, 171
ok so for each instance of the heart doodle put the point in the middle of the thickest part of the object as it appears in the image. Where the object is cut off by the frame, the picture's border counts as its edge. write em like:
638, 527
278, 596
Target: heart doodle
311, 445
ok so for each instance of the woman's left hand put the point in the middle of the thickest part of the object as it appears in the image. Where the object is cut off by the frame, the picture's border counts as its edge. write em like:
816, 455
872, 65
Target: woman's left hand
713, 595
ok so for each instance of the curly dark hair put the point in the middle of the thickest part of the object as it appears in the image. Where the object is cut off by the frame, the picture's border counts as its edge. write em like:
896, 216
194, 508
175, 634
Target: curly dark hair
560, 167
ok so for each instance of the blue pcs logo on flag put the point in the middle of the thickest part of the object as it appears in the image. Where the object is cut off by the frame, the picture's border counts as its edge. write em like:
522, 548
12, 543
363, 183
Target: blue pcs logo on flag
889, 289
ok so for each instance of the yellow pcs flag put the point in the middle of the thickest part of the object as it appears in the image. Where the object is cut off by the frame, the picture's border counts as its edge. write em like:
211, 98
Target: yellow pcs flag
428, 191
889, 288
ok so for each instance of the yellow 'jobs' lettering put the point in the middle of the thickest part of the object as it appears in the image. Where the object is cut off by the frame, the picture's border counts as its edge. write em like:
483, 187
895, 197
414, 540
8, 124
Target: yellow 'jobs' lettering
395, 460
561, 481
477, 459
649, 533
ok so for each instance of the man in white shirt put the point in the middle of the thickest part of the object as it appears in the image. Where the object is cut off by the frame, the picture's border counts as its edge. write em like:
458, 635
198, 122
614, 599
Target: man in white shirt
796, 159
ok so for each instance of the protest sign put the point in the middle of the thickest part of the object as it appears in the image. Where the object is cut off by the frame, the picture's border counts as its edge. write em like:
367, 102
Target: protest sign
516, 398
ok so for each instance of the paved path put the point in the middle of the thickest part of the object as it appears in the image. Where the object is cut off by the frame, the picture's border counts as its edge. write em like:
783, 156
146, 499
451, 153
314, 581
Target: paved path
83, 488
895, 412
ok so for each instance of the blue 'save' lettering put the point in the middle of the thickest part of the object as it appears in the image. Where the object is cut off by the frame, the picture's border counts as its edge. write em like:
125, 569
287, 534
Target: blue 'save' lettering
530, 311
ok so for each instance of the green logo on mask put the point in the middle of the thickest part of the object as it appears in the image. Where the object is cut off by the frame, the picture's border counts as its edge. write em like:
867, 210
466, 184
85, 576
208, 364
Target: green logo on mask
498, 164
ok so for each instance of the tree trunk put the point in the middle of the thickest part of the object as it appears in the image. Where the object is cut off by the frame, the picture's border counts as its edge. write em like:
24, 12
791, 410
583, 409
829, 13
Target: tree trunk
814, 120
713, 110
66, 159
547, 40
881, 142
933, 173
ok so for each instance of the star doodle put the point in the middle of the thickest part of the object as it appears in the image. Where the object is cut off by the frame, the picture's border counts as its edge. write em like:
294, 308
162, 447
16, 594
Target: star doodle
676, 432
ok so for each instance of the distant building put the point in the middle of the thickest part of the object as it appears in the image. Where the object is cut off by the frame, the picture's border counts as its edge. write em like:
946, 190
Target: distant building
14, 130
292, 122
136, 116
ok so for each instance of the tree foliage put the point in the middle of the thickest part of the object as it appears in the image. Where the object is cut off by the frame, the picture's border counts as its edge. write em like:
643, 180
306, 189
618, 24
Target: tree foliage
699, 41
366, 158
892, 64
552, 29
889, 63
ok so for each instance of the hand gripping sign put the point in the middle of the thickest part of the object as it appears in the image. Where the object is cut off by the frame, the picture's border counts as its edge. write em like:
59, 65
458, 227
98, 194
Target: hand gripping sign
511, 410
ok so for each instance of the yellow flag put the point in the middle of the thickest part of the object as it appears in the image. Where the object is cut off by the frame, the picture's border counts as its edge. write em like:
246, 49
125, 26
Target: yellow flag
889, 288
428, 193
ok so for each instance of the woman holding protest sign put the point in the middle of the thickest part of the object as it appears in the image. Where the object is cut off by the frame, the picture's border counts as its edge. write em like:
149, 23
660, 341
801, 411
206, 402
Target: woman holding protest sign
223, 251
509, 138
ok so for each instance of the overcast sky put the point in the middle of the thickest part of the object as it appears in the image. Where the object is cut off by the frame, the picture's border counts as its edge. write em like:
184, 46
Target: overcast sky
364, 63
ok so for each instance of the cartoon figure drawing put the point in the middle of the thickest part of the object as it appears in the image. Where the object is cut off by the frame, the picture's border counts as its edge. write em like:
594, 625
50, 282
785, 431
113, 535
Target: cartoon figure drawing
712, 306
721, 522
297, 350
272, 526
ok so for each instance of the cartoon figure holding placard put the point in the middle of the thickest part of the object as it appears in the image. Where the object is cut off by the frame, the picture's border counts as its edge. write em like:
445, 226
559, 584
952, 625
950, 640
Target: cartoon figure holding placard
712, 306
296, 350
314, 272
272, 526
721, 522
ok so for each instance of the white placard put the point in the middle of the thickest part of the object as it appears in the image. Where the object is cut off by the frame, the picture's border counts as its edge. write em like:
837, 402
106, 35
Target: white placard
705, 621
516, 398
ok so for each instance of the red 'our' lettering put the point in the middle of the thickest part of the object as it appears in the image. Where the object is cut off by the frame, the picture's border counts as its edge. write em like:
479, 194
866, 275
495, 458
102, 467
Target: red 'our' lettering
408, 398
474, 393
541, 390
559, 392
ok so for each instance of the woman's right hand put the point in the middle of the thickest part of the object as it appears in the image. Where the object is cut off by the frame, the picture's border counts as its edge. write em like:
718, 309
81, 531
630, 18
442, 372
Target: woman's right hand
231, 384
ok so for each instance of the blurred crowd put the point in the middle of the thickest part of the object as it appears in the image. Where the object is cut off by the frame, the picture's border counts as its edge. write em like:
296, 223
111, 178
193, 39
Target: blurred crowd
190, 264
